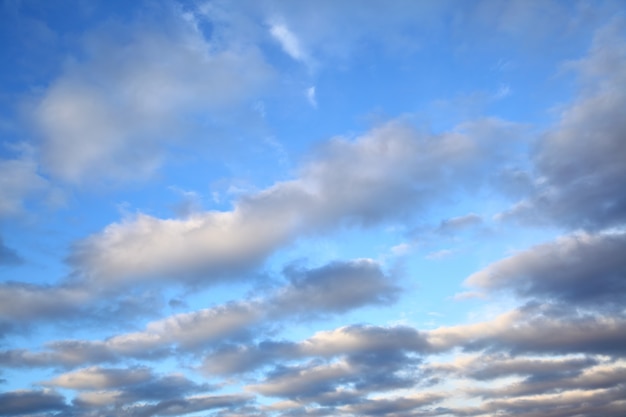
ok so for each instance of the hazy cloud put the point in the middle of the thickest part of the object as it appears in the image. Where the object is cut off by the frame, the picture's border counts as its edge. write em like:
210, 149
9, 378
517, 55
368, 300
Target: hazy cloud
128, 96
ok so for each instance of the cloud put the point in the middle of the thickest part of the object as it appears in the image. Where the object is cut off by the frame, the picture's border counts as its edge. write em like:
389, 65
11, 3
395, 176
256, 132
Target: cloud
334, 288
8, 256
579, 162
582, 269
461, 222
592, 378
20, 181
132, 93
192, 404
537, 329
484, 367
20, 301
356, 340
117, 387
96, 378
289, 42
400, 171
310, 96
392, 406
30, 401
604, 402
331, 289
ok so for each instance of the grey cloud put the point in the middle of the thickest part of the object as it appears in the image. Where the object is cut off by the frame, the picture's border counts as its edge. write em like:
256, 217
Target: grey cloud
585, 269
489, 367
371, 359
456, 223
336, 287
373, 342
579, 162
390, 407
602, 402
21, 301
24, 304
120, 103
539, 330
167, 388
8, 256
606, 376
385, 174
234, 359
94, 378
189, 405
339, 382
30, 401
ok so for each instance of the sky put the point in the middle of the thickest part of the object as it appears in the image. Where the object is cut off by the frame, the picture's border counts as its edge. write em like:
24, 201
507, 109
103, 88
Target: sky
274, 208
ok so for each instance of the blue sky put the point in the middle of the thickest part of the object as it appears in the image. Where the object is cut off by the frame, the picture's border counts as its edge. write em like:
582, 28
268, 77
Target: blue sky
312, 208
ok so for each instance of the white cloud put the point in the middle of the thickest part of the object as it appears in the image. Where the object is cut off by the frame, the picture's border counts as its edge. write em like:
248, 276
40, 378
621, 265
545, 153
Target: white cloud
289, 42
119, 106
385, 174
310, 96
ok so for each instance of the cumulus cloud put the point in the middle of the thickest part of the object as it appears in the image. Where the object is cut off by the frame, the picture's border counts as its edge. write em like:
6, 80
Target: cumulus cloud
385, 174
537, 329
131, 94
356, 341
579, 162
582, 269
331, 289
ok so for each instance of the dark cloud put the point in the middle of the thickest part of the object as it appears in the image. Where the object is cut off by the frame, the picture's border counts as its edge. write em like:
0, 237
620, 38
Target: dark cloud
30, 401
579, 162
583, 269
